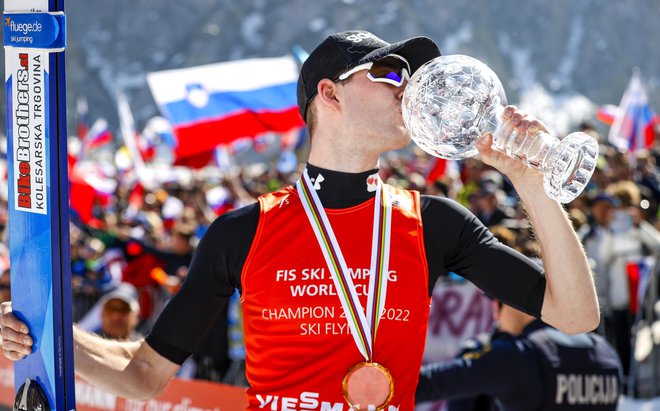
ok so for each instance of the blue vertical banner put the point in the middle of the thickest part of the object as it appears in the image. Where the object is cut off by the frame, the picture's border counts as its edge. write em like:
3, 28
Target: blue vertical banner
34, 39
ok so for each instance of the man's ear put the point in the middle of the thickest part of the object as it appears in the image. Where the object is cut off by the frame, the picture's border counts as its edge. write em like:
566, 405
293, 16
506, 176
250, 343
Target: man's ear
327, 94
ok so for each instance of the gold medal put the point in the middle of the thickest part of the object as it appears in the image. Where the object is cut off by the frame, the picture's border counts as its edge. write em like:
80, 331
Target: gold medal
368, 384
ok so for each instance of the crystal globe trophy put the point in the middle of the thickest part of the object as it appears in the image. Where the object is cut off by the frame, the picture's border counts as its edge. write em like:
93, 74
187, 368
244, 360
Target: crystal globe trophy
452, 101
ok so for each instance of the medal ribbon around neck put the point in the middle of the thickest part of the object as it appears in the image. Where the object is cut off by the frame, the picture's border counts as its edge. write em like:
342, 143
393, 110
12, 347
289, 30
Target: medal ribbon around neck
363, 327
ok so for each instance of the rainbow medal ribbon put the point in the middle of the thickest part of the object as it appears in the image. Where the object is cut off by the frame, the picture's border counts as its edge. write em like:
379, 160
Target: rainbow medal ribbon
367, 384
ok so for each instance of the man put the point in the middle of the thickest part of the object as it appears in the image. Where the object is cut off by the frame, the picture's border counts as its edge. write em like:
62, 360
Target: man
308, 339
120, 313
527, 365
489, 211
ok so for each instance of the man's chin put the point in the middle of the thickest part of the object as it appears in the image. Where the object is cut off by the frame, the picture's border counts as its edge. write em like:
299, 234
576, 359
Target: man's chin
401, 143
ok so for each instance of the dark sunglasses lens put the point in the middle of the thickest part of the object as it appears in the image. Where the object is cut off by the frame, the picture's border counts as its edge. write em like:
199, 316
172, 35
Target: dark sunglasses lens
394, 76
388, 68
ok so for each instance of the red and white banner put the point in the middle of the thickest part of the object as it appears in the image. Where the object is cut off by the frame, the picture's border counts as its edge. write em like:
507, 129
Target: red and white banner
180, 395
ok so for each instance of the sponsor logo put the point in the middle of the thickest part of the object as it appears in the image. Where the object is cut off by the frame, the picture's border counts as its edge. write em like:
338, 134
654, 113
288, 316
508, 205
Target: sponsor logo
361, 36
24, 28
402, 202
306, 401
372, 183
29, 147
317, 181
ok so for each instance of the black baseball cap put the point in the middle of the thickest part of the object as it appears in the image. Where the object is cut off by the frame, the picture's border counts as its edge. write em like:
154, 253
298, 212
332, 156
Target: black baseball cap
347, 49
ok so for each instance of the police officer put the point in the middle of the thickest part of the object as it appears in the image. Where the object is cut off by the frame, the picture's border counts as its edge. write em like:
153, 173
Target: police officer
527, 365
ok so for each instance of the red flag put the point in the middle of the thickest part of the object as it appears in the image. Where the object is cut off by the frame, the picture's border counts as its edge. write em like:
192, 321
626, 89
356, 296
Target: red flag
88, 186
607, 113
82, 197
437, 170
136, 198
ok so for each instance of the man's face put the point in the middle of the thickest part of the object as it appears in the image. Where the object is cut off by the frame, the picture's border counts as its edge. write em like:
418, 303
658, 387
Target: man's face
603, 213
373, 111
117, 319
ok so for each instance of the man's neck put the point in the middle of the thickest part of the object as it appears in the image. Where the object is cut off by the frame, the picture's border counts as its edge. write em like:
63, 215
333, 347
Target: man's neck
337, 189
339, 154
515, 327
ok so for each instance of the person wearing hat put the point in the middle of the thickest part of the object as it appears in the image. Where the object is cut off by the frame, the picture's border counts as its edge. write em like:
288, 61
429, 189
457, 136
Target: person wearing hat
490, 212
120, 313
336, 272
115, 315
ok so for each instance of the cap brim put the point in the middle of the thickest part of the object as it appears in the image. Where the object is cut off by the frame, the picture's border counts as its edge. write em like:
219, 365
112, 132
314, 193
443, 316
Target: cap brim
417, 50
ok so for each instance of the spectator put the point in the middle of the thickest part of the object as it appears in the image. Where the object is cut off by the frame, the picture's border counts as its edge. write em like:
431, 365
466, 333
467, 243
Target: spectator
119, 313
115, 315
489, 210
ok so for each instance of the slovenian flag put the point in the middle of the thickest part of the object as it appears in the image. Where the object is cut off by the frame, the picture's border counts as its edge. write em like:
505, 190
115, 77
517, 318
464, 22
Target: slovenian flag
99, 135
218, 103
632, 129
607, 113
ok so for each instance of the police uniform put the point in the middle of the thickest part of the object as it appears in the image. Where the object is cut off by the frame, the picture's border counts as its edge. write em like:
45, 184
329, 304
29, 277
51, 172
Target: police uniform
542, 369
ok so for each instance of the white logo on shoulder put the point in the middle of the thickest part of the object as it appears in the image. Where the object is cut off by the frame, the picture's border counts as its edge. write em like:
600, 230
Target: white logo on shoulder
317, 181
401, 201
363, 35
372, 183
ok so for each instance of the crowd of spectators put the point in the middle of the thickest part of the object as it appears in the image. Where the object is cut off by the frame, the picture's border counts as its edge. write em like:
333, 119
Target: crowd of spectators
150, 247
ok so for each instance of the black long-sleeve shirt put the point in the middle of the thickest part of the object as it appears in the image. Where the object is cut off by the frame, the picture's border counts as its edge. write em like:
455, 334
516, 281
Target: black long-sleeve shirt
454, 241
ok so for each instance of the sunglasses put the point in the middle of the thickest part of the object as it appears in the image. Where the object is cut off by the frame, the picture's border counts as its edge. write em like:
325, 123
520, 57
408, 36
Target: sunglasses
391, 69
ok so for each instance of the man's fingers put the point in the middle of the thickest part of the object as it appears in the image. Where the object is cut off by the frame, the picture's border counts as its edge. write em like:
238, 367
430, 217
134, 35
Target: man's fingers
13, 355
11, 346
8, 320
485, 142
10, 335
5, 308
508, 112
517, 118
536, 126
523, 126
16, 343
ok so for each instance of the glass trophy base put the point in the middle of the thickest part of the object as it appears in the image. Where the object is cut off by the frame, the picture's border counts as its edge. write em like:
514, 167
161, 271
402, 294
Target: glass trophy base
569, 167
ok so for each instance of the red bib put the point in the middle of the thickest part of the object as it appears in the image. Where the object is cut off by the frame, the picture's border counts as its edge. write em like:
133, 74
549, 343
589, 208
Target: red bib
298, 342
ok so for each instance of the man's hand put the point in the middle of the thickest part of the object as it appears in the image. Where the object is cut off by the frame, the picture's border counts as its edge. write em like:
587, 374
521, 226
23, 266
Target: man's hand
16, 341
513, 121
570, 302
